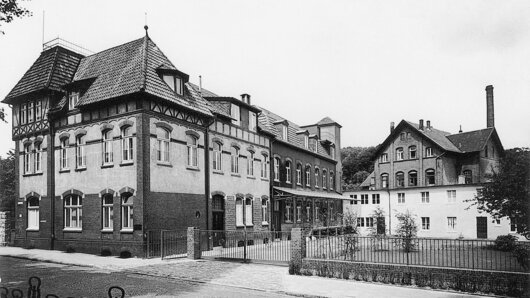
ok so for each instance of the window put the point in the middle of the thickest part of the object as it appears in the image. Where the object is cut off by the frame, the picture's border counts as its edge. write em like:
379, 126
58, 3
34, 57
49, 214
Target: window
126, 211
284, 132
354, 197
252, 121
33, 213
468, 176
324, 179
250, 164
399, 153
64, 154
317, 173
217, 156
369, 222
264, 166
412, 152
425, 197
317, 211
331, 180
308, 176
193, 159
107, 212
80, 157
451, 223
513, 225
497, 221
383, 158
360, 222
299, 174
451, 196
400, 179
384, 180
428, 152
298, 211
376, 199
27, 158
107, 147
30, 112
38, 110
239, 212
276, 169
309, 211
73, 218
315, 147
73, 98
402, 136
288, 171
486, 151
264, 211
23, 113
425, 223
234, 112
288, 215
364, 199
248, 211
332, 152
306, 142
413, 178
175, 83
401, 198
162, 139
234, 151
127, 144
38, 157
429, 177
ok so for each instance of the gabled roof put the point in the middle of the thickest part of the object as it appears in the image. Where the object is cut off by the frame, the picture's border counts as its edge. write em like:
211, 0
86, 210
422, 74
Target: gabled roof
473, 141
327, 121
216, 107
439, 137
52, 69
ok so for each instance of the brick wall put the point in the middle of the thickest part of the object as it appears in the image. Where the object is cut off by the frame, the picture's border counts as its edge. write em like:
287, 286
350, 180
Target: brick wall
174, 211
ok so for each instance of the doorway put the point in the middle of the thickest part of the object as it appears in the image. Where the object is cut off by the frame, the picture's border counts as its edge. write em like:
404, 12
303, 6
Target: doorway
218, 219
482, 227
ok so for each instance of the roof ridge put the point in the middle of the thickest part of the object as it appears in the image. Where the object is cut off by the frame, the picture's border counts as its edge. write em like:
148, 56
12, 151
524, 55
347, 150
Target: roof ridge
472, 131
144, 65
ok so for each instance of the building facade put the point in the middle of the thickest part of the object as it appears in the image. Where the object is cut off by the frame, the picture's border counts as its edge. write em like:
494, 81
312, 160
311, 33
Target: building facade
435, 175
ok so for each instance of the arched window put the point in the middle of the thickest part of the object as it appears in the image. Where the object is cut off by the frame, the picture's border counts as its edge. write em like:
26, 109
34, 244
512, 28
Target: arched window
400, 179
288, 214
429, 177
264, 166
288, 171
468, 176
33, 213
308, 176
38, 157
264, 211
324, 179
64, 154
217, 156
413, 178
239, 212
384, 180
248, 211
193, 160
80, 157
399, 153
107, 211
27, 158
73, 212
412, 152
107, 146
317, 176
127, 144
276, 169
299, 212
162, 139
299, 174
235, 159
250, 163
331, 180
127, 211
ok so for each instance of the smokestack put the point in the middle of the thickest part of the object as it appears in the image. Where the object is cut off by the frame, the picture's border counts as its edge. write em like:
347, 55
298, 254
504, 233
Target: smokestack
200, 85
392, 127
245, 98
428, 124
421, 125
490, 115
460, 131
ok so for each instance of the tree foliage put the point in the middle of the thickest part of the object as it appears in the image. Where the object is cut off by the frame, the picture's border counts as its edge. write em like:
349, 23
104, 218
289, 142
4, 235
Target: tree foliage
407, 230
7, 182
508, 193
357, 164
9, 10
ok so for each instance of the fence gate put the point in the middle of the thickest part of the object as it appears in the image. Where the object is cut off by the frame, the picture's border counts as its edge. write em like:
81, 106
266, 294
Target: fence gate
166, 243
266, 247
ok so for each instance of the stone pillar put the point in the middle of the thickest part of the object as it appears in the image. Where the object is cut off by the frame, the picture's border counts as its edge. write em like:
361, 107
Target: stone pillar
4, 228
194, 243
298, 250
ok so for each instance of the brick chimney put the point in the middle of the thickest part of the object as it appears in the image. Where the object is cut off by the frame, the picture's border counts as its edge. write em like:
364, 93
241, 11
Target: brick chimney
490, 115
245, 98
391, 127
428, 124
420, 127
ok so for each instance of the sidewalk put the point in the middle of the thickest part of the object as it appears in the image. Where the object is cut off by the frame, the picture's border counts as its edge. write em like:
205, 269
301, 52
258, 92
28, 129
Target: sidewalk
250, 276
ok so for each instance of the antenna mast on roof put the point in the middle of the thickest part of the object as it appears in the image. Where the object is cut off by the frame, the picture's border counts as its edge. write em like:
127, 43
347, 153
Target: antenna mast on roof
43, 15
200, 86
145, 23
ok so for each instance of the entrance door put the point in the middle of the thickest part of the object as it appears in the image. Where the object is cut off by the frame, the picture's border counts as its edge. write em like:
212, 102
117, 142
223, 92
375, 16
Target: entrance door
482, 227
218, 219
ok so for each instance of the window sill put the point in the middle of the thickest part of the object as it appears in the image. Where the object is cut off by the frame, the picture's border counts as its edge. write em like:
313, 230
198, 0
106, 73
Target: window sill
251, 177
288, 182
126, 231
164, 164
276, 180
452, 231
73, 230
32, 229
80, 169
107, 230
192, 168
110, 165
32, 174
218, 172
264, 223
264, 179
235, 175
251, 225
125, 164
64, 171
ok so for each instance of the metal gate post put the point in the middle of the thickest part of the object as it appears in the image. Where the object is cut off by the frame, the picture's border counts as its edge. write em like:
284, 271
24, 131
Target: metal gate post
162, 244
245, 246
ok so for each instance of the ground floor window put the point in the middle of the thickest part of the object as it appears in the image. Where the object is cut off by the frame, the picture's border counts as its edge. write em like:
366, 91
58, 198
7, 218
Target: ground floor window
248, 211
425, 223
73, 209
33, 213
265, 211
451, 223
126, 211
107, 212
288, 216
239, 212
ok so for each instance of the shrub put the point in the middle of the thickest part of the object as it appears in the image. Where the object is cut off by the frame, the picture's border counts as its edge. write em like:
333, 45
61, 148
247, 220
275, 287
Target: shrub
105, 252
505, 243
125, 254
522, 254
70, 249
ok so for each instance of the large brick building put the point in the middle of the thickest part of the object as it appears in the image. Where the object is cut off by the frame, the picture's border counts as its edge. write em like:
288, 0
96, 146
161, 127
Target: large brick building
118, 143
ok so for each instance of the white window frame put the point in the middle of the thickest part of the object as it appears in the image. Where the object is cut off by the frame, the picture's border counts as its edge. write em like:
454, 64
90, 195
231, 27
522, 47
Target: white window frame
413, 151
306, 142
252, 123
73, 213
23, 113
384, 182
37, 157
425, 197
63, 159
249, 204
399, 153
234, 157
376, 199
107, 147
324, 179
317, 176
433, 176
127, 201
276, 169
27, 158
217, 154
285, 135
287, 172
33, 214
236, 114
264, 166
451, 223
107, 212
401, 198
428, 152
80, 157
192, 151
73, 99
31, 115
425, 223
331, 180
239, 212
384, 157
127, 144
250, 164
298, 174
451, 196
264, 211
298, 213
163, 137
38, 110
308, 176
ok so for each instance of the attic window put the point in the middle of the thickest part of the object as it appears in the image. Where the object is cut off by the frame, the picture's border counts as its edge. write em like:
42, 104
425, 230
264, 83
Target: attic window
284, 132
174, 82
73, 99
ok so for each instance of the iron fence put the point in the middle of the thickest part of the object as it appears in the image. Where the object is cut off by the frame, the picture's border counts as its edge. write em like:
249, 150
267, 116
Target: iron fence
166, 243
264, 246
433, 252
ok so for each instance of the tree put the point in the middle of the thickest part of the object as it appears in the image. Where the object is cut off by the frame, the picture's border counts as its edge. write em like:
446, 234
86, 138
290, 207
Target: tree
9, 10
379, 227
508, 192
357, 164
406, 230
7, 182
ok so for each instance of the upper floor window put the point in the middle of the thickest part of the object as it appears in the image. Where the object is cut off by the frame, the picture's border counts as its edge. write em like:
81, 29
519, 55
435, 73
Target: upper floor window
384, 180
276, 169
73, 212
73, 99
284, 132
107, 147
127, 144
38, 110
331, 180
174, 82
317, 174
399, 153
264, 166
412, 152
429, 177
299, 174
332, 152
402, 136
235, 113
425, 223
307, 176
27, 158
80, 156
234, 160
451, 196
315, 147
400, 179
306, 142
324, 179
376, 199
23, 113
401, 198
383, 158
30, 112
126, 211
38, 157
451, 223
63, 158
425, 197
217, 156
288, 171
193, 160
33, 213
250, 164
162, 139
413, 178
468, 175
428, 152
252, 122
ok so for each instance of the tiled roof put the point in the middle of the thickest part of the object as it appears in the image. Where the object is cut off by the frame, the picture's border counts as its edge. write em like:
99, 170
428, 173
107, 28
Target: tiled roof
130, 68
54, 68
437, 136
471, 141
326, 121
216, 107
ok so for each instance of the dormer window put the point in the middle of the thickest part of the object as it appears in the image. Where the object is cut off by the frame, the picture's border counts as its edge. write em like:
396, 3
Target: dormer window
73, 99
252, 121
236, 116
306, 142
284, 132
174, 82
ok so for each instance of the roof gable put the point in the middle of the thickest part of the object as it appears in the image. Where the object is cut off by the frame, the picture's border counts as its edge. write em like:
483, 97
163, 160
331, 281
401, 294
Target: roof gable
473, 141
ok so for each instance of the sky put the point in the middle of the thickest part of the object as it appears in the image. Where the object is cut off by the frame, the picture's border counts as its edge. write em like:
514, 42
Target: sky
362, 63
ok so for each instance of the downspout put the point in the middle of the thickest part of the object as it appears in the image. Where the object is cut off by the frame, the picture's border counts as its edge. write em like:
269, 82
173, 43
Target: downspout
271, 186
51, 176
207, 172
